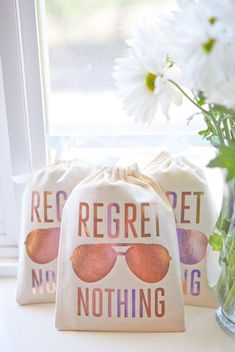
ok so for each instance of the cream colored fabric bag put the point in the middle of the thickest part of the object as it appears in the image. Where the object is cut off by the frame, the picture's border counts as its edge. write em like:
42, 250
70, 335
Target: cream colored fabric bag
43, 201
187, 189
118, 264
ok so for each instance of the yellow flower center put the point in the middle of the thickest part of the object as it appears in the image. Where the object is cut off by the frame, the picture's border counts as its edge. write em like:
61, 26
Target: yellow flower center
212, 20
208, 46
150, 81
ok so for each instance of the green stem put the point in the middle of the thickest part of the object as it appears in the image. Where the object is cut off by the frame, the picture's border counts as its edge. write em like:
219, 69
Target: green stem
226, 128
217, 126
210, 113
188, 97
229, 298
220, 288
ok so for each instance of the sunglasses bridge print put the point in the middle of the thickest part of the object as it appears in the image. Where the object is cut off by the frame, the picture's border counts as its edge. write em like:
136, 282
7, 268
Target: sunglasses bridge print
148, 262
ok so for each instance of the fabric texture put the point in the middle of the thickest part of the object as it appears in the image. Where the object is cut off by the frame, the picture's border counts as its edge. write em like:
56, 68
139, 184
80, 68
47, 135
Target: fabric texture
118, 264
43, 200
187, 189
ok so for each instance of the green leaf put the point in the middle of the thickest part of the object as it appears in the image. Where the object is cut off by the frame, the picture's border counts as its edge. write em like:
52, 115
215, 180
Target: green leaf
205, 133
226, 160
216, 242
201, 100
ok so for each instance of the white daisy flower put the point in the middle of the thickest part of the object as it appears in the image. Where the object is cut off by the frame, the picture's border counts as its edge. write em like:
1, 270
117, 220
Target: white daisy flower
224, 94
202, 37
142, 89
148, 45
143, 77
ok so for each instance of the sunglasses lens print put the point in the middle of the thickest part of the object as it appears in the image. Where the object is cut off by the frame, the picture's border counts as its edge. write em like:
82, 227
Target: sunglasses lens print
42, 245
192, 246
93, 262
149, 262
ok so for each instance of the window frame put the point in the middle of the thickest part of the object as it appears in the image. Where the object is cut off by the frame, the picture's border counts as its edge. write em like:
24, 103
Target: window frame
24, 148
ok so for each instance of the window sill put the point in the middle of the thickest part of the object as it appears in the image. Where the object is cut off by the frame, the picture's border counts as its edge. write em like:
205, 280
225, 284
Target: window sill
31, 328
8, 267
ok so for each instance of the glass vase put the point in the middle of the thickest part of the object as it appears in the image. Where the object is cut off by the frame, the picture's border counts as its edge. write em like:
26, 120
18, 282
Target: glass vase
225, 287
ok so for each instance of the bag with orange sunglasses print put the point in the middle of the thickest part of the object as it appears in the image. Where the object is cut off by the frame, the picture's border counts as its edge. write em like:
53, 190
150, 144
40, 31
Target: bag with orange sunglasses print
118, 264
44, 197
187, 189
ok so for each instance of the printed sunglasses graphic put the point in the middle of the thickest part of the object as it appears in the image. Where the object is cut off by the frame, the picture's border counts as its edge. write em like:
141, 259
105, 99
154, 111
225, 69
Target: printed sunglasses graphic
192, 246
148, 262
42, 245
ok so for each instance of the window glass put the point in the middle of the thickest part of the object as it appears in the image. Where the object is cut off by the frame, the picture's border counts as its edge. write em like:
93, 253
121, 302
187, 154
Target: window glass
84, 39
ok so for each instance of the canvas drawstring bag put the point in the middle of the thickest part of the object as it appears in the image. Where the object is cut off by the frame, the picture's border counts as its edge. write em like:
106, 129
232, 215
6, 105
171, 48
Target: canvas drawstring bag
118, 264
44, 197
195, 213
